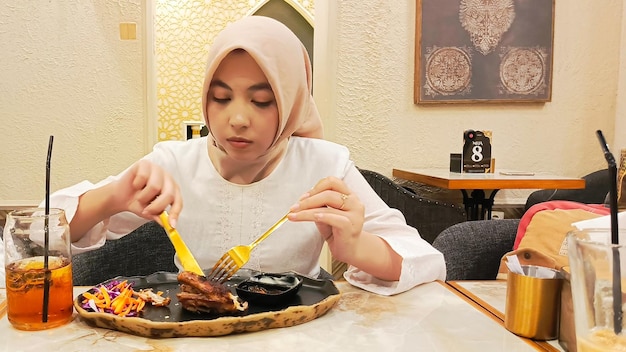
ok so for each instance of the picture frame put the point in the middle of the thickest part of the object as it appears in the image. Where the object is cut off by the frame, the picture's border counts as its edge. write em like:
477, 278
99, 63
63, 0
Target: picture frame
467, 52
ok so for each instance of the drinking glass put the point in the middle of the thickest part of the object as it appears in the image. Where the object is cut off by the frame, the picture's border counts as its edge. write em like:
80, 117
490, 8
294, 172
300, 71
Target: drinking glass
38, 297
593, 263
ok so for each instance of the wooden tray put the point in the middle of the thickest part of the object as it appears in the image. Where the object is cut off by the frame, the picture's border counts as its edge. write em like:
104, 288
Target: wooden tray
315, 298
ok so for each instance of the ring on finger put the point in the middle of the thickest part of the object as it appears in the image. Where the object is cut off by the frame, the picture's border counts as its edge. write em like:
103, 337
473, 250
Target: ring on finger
343, 201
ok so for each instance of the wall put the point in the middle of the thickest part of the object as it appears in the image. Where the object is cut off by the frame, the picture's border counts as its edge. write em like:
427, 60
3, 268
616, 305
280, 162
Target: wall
369, 95
66, 73
620, 117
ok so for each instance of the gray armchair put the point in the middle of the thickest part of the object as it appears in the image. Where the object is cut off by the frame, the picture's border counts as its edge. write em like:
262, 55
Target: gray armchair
428, 216
473, 249
595, 191
141, 252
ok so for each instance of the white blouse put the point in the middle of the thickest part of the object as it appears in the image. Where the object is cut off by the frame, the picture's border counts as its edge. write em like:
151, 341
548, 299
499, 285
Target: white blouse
218, 214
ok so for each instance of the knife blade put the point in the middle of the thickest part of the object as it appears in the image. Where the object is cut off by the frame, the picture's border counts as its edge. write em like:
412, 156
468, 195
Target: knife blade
187, 260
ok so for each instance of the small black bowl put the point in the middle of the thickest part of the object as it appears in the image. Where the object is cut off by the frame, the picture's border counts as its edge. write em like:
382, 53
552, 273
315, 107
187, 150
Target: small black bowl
269, 289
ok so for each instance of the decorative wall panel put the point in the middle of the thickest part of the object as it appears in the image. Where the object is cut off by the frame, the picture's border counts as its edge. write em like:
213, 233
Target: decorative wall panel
484, 51
184, 31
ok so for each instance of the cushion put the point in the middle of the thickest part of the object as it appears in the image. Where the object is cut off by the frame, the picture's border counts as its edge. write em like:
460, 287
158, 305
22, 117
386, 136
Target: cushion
542, 233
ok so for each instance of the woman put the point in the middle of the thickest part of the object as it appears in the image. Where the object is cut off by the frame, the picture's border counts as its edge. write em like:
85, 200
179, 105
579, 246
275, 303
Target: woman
258, 163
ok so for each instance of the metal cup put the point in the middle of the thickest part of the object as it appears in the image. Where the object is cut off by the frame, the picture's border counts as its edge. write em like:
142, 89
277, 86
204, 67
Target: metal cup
533, 302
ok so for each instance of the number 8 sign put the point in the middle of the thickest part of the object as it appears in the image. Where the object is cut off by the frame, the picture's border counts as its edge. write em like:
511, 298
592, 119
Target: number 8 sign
477, 151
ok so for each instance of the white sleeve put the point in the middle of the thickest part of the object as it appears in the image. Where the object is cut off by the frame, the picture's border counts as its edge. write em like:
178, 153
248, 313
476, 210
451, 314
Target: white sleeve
118, 225
67, 199
421, 262
112, 228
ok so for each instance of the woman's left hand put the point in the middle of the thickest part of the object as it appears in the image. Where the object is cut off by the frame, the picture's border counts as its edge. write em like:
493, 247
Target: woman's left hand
338, 214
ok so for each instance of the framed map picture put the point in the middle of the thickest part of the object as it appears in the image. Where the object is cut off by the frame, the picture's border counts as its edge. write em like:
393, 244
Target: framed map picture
491, 51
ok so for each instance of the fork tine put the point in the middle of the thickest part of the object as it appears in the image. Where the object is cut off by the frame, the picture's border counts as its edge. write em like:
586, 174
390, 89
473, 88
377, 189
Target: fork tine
225, 268
219, 272
219, 266
227, 273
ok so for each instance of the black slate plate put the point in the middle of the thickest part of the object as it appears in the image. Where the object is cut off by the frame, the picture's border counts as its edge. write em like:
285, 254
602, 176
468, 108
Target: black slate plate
314, 299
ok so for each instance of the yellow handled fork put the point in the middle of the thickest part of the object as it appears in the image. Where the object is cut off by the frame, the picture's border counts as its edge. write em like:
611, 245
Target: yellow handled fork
237, 256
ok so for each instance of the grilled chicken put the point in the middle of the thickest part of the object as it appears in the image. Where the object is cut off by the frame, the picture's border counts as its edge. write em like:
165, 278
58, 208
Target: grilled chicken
198, 294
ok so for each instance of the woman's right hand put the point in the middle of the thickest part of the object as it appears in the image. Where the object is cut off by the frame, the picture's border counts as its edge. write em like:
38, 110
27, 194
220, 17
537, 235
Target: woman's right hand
146, 190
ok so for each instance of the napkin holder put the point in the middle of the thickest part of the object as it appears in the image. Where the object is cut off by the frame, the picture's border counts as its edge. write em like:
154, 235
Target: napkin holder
455, 162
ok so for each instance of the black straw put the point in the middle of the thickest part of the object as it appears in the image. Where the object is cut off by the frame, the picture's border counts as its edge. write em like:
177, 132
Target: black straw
46, 282
617, 276
612, 187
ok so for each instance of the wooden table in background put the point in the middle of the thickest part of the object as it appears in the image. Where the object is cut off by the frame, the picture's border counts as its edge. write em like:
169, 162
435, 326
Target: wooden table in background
476, 203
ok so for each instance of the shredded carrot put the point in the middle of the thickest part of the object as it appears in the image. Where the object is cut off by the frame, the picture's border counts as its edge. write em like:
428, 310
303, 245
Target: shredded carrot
105, 294
119, 299
89, 296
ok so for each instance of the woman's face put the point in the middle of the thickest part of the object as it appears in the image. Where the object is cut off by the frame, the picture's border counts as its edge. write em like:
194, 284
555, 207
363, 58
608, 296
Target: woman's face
241, 107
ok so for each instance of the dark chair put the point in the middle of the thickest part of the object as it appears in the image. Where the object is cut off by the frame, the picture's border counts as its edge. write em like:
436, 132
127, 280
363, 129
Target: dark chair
595, 191
428, 216
473, 249
142, 252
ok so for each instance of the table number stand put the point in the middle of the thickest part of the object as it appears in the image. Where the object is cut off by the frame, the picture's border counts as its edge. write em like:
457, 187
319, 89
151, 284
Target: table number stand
477, 151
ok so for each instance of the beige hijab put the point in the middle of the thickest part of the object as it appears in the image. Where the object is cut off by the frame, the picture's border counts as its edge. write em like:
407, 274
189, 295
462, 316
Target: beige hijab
285, 62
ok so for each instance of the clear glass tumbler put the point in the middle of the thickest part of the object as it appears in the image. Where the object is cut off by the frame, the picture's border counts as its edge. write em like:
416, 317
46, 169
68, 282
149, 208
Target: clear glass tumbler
39, 288
596, 266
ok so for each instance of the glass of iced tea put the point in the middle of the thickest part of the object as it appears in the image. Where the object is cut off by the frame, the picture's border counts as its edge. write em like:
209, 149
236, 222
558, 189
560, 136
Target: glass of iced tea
596, 265
39, 287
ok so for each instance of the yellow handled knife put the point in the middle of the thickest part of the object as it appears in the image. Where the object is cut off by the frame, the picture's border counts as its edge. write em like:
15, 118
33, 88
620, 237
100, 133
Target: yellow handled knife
184, 254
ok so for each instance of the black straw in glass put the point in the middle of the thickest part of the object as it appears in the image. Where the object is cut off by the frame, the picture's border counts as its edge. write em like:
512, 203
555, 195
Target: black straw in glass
617, 276
46, 281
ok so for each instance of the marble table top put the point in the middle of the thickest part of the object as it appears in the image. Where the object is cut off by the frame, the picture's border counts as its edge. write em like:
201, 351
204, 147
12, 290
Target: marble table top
431, 317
